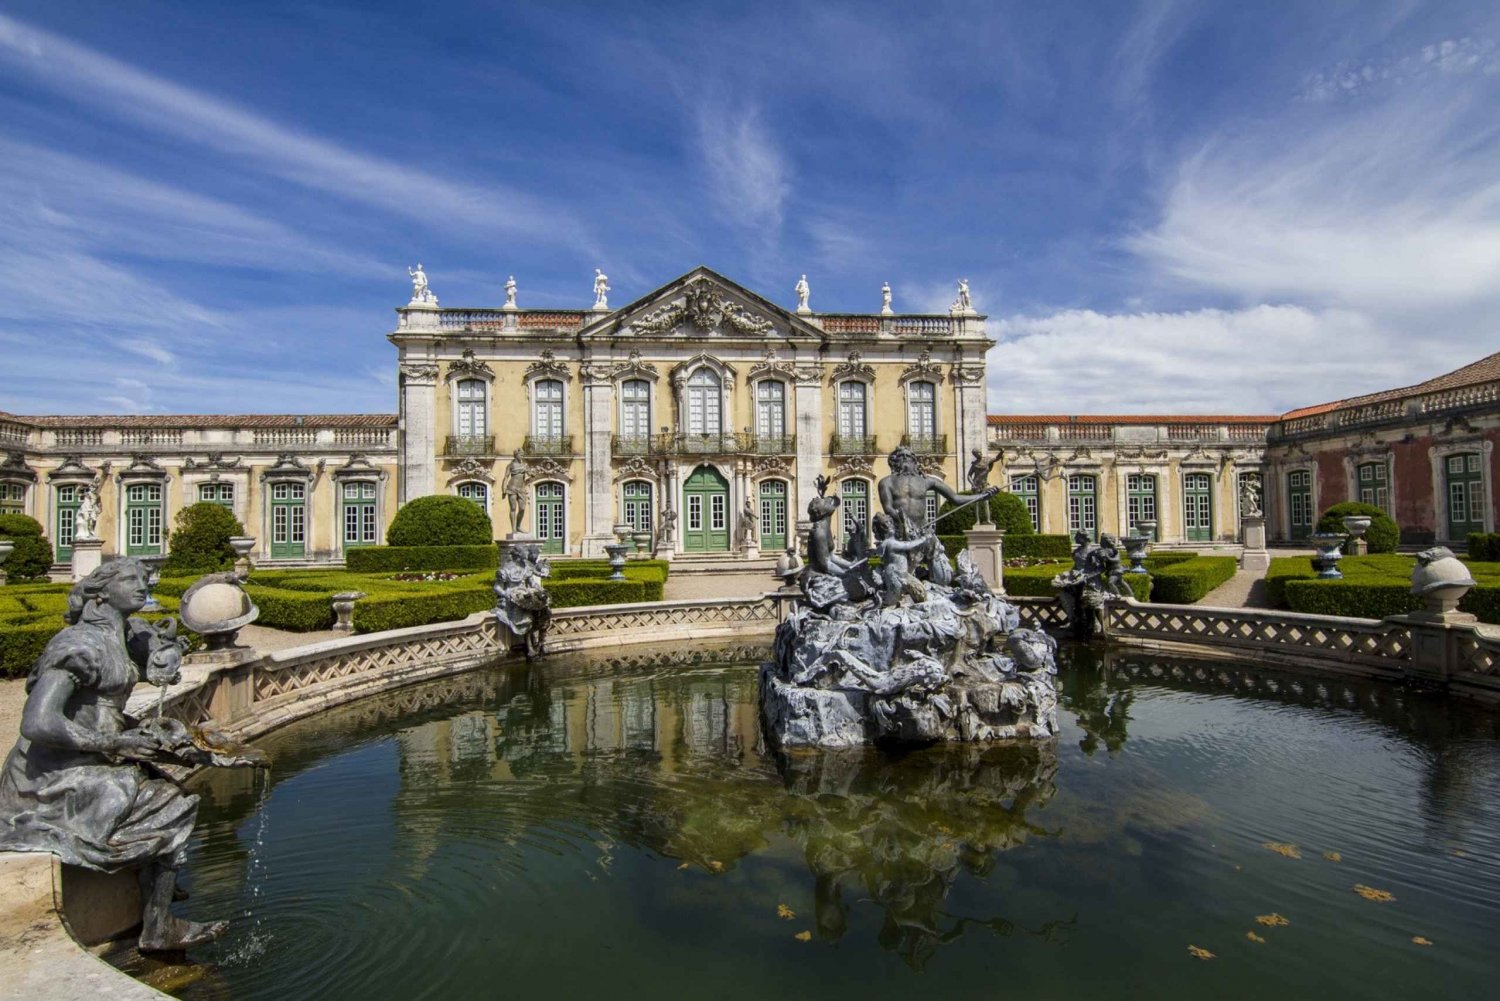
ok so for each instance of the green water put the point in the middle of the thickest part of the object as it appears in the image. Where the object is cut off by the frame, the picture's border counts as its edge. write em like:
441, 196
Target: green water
588, 831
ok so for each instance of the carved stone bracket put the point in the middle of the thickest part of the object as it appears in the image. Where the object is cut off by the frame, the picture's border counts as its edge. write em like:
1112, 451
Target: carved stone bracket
548, 367
967, 375
469, 367
414, 371
854, 368
923, 368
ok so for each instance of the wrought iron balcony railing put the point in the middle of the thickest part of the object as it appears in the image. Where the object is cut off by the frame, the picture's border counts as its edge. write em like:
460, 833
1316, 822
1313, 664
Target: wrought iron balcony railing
548, 444
926, 444
634, 444
720, 443
469, 444
852, 445
773, 444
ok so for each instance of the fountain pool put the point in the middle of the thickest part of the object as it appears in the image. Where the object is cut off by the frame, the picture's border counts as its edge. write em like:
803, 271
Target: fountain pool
586, 829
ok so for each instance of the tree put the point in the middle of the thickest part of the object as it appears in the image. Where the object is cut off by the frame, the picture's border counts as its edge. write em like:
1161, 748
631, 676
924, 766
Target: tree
1007, 511
1383, 535
200, 542
440, 520
32, 556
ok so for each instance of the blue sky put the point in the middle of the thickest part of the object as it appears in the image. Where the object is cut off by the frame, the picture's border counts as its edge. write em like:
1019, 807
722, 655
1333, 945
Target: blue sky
1174, 207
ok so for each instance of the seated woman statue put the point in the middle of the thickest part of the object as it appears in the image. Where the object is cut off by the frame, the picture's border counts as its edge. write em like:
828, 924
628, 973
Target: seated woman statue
82, 781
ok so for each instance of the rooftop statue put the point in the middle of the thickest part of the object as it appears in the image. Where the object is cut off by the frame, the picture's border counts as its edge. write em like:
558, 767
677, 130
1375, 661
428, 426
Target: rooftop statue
803, 291
964, 304
601, 290
885, 299
510, 292
89, 783
420, 291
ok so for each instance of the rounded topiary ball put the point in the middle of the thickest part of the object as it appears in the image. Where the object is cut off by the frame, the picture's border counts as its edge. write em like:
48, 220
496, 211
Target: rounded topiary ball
440, 520
32, 556
1007, 511
200, 542
1383, 534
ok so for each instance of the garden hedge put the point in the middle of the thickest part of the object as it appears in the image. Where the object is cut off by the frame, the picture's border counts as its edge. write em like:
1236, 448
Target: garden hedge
392, 559
200, 542
1373, 587
32, 556
1040, 547
1383, 534
1484, 546
1036, 581
1187, 581
1007, 511
440, 520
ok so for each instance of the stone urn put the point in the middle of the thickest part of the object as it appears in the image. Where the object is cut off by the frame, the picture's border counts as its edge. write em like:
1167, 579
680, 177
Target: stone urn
153, 578
1136, 548
343, 610
1357, 525
242, 545
5, 549
617, 551
1441, 580
623, 530
1146, 527
216, 608
642, 542
1326, 562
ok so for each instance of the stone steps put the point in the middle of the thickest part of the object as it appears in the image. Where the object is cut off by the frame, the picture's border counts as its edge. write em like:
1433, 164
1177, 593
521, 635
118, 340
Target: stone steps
721, 563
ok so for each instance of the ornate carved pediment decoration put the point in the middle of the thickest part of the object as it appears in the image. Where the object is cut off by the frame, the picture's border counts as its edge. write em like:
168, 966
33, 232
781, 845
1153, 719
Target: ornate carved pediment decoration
1080, 453
359, 467
287, 466
14, 467
419, 371
470, 468
1457, 424
1198, 455
546, 469
215, 461
854, 465
1048, 466
770, 465
469, 367
932, 465
853, 368
705, 308
809, 375
637, 467
548, 367
143, 465
660, 321
634, 368
923, 368
771, 365
681, 370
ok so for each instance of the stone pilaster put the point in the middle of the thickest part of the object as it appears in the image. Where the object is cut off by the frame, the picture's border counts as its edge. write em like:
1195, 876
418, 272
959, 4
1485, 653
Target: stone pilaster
968, 386
599, 506
419, 430
809, 408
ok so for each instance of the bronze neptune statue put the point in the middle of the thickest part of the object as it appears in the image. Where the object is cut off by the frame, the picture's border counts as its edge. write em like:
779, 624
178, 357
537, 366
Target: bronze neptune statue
85, 781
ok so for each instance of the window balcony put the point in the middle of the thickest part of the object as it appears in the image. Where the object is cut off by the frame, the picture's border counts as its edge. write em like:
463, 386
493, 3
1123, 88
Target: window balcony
719, 443
548, 444
469, 444
773, 444
926, 444
634, 444
852, 445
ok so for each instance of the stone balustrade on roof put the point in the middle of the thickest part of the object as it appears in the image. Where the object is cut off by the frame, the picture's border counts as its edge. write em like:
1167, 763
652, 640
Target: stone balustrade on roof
1129, 428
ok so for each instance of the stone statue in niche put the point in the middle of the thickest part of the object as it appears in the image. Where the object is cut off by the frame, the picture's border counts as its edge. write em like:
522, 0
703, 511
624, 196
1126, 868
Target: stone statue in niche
86, 518
888, 657
514, 488
522, 604
89, 783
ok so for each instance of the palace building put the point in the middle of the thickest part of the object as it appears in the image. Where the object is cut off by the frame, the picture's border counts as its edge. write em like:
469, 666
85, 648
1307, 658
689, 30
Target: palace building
707, 399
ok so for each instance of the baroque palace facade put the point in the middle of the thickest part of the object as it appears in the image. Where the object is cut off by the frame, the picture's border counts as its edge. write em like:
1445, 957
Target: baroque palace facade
705, 398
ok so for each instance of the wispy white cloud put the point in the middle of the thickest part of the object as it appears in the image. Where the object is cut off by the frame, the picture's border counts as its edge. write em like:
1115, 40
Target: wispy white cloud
747, 173
1451, 57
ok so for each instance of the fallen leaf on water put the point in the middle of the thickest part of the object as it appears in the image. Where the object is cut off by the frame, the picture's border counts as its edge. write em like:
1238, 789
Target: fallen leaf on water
1282, 848
716, 865
1460, 853
1255, 938
685, 865
1198, 953
1370, 893
1419, 940
1272, 920
1238, 868
1333, 856
803, 936
784, 912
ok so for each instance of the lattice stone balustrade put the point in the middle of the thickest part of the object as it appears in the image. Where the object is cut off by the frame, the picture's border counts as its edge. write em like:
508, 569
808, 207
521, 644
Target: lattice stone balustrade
656, 616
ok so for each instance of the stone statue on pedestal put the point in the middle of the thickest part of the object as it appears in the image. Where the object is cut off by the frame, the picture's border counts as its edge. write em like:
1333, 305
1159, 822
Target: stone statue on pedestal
522, 604
1250, 497
803, 291
510, 292
86, 518
601, 290
666, 532
420, 291
885, 299
514, 488
964, 304
979, 471
748, 529
1097, 575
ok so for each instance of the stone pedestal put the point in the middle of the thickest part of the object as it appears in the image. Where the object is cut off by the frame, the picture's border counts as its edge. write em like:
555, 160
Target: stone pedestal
87, 555
1253, 536
226, 657
752, 551
1358, 546
343, 610
987, 543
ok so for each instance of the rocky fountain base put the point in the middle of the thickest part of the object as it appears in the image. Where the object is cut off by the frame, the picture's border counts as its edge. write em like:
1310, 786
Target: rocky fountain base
951, 667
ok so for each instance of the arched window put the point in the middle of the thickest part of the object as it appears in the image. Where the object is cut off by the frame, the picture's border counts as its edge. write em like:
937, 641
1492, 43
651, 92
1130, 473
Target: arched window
1198, 507
1082, 516
288, 520
1027, 488
921, 415
853, 427
472, 417
770, 416
479, 493
1140, 502
703, 403
635, 412
547, 422
1373, 482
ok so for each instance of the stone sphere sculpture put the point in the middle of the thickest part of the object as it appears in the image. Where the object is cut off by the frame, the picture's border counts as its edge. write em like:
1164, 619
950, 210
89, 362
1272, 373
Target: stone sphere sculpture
216, 607
1440, 579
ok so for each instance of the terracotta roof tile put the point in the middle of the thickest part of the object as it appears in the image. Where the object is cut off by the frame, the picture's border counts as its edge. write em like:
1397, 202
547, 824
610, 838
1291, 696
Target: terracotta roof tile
1486, 369
1133, 419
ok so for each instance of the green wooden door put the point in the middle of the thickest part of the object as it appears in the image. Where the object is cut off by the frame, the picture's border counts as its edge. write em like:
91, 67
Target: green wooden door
705, 508
637, 506
68, 497
143, 519
288, 521
1299, 503
1198, 507
1140, 502
772, 515
361, 528
1464, 488
549, 517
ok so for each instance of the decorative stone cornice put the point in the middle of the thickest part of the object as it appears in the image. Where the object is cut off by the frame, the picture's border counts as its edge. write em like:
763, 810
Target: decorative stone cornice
854, 368
923, 368
142, 466
770, 366
548, 367
419, 371
854, 465
14, 468
637, 467
358, 467
546, 469
705, 308
287, 467
770, 465
469, 367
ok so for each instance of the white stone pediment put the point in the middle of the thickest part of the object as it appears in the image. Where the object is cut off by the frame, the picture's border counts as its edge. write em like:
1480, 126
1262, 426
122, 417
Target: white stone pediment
701, 304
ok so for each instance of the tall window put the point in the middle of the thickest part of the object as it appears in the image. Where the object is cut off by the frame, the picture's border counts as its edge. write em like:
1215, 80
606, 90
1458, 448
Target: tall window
772, 515
770, 413
852, 410
1082, 515
479, 493
1374, 486
1299, 503
1464, 487
12, 498
216, 493
1198, 507
930, 507
549, 516
68, 497
1028, 489
856, 504
921, 413
635, 409
548, 394
360, 525
143, 519
288, 520
1140, 501
473, 417
703, 403
637, 502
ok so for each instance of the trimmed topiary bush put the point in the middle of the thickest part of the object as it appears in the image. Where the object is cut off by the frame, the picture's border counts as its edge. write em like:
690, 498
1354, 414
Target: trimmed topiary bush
391, 559
32, 556
200, 542
440, 520
1041, 547
1484, 546
1007, 511
1187, 581
1383, 534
